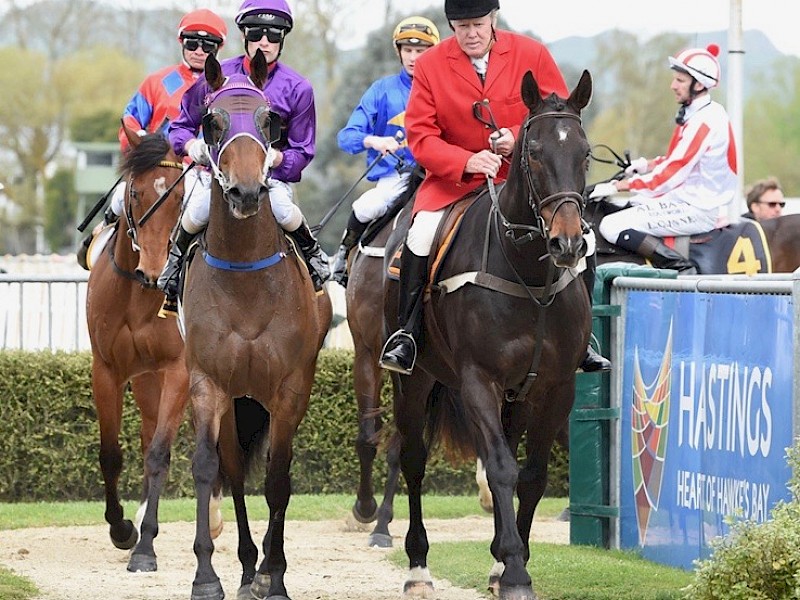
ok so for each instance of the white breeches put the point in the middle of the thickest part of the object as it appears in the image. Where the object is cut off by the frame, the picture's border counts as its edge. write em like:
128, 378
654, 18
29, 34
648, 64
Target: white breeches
374, 203
660, 217
197, 201
422, 231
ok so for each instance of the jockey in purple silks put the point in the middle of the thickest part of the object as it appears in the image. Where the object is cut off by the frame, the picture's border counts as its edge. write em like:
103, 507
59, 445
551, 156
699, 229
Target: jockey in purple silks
264, 25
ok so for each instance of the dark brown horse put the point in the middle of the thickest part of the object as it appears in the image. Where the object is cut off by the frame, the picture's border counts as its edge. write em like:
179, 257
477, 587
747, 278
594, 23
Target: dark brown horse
130, 343
509, 356
783, 239
254, 327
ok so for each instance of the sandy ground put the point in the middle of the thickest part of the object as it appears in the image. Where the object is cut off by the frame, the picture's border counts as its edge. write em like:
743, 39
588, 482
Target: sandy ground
327, 560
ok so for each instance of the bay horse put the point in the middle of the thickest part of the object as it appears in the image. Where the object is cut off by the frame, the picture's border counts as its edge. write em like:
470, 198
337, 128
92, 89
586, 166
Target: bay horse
783, 239
364, 298
130, 343
253, 328
509, 356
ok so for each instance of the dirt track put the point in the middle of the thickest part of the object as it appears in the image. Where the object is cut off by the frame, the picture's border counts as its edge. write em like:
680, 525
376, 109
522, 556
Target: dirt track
328, 560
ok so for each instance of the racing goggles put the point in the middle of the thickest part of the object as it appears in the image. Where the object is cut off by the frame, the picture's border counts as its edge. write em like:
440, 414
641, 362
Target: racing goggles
274, 34
192, 44
417, 27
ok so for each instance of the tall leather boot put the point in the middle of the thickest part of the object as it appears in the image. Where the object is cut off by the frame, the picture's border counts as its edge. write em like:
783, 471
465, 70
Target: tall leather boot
316, 260
400, 351
661, 255
109, 217
169, 280
352, 235
593, 362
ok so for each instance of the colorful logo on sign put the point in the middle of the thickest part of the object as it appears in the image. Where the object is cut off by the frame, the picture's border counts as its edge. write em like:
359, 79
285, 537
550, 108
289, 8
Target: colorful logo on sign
649, 428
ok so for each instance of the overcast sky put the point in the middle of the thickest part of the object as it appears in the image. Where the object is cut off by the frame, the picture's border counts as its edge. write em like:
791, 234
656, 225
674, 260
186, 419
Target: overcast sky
553, 20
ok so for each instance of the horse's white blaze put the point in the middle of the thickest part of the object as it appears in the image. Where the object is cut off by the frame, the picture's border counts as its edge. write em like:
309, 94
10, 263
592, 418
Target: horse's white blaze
159, 185
215, 523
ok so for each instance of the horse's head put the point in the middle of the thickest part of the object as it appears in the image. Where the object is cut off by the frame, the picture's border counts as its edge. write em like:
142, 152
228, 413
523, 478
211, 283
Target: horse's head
151, 170
237, 129
553, 155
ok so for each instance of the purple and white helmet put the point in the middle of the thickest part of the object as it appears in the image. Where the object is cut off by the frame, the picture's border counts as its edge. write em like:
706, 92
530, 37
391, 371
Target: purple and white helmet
265, 13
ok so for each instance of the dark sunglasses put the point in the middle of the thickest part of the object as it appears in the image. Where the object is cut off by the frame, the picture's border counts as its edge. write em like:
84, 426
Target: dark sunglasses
254, 34
417, 27
192, 44
773, 204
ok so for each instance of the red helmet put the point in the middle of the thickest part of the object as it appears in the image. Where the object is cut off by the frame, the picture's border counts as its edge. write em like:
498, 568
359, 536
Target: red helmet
203, 24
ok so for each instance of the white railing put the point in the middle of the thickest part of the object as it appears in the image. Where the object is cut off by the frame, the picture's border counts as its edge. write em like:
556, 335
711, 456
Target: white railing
43, 306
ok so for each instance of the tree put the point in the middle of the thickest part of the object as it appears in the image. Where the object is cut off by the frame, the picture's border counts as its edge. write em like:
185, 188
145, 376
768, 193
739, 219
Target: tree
61, 201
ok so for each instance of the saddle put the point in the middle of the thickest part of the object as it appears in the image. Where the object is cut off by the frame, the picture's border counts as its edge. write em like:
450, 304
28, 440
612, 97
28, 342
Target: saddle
740, 248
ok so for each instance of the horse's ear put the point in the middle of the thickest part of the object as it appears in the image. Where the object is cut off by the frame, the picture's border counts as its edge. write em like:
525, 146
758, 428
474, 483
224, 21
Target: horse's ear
258, 69
213, 72
530, 91
133, 138
582, 93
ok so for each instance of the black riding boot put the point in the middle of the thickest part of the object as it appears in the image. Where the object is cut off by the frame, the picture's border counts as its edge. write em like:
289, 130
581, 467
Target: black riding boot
400, 350
593, 361
352, 235
316, 260
169, 280
661, 255
108, 218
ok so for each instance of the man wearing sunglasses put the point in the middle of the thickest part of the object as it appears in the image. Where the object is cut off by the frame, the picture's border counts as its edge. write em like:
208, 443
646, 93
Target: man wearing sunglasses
765, 200
264, 25
157, 101
377, 125
689, 189
480, 67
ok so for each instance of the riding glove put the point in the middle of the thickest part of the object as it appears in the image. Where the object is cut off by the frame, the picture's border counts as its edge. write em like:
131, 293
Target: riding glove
638, 166
198, 151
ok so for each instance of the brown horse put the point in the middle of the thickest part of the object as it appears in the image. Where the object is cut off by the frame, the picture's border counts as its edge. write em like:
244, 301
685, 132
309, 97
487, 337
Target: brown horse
783, 239
130, 343
507, 349
254, 327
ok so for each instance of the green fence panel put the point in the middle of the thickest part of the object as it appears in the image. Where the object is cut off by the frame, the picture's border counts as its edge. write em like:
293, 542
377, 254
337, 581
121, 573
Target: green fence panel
593, 418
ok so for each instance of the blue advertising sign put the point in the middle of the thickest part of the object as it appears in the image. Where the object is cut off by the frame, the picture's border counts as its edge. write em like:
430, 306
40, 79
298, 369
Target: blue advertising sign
706, 417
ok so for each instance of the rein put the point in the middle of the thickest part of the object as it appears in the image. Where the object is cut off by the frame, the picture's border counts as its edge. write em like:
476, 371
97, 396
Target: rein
165, 195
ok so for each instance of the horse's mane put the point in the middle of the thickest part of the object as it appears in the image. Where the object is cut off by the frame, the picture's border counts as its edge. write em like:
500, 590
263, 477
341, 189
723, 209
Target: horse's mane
150, 151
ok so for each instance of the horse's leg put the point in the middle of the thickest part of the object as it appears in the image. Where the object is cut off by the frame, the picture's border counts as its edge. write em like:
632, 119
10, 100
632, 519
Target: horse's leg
162, 404
107, 394
207, 402
380, 536
367, 382
549, 418
480, 399
410, 396
233, 468
277, 489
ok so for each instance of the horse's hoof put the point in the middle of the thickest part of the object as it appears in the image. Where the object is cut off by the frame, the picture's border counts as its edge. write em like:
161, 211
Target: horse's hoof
419, 590
379, 540
260, 586
125, 536
142, 563
494, 586
517, 592
371, 514
207, 591
244, 593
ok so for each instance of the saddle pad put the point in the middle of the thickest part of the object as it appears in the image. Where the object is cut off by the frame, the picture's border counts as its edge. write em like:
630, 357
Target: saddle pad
98, 244
443, 240
738, 249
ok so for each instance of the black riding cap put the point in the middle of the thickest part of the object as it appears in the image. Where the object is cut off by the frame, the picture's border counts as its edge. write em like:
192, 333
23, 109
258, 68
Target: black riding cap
469, 9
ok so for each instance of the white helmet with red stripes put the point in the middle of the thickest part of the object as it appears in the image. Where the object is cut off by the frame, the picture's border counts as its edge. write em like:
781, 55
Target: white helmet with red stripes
700, 63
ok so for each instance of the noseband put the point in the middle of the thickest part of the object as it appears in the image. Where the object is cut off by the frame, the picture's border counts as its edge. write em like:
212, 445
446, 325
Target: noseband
535, 201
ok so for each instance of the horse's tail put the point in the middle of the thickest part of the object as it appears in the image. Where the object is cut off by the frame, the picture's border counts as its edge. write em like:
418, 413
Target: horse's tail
252, 427
449, 426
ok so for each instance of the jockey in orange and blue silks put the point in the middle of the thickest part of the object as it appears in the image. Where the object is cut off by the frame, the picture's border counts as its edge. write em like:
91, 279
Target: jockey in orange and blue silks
158, 99
377, 125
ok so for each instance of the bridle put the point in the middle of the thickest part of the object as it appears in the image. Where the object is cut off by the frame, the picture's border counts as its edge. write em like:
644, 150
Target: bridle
133, 195
535, 200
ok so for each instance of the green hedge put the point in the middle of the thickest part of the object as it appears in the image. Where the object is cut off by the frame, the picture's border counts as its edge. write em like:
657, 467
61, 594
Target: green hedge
49, 438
